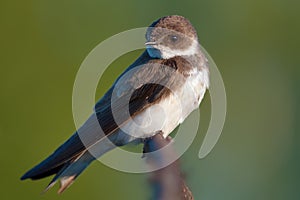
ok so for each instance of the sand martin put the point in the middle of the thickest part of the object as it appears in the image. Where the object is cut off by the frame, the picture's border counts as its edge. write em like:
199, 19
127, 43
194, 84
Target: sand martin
158, 91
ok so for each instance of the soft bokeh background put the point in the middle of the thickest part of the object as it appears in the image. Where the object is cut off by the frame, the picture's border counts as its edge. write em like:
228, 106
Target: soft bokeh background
254, 43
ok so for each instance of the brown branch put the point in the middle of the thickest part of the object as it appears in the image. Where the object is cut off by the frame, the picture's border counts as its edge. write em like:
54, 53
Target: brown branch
168, 182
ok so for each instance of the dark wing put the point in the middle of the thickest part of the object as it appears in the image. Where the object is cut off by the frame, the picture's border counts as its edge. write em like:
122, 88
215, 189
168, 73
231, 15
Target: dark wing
143, 86
140, 86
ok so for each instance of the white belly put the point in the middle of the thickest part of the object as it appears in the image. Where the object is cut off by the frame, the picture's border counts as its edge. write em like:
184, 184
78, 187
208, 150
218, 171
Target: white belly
171, 111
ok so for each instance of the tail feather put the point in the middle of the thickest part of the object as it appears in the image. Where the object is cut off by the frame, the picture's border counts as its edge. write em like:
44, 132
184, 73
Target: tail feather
57, 160
65, 182
72, 157
70, 150
70, 172
66, 172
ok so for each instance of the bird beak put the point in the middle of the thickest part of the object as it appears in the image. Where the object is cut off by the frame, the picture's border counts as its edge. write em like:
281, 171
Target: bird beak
150, 43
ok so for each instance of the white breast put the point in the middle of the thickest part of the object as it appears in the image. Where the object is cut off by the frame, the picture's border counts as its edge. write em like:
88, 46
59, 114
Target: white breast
171, 111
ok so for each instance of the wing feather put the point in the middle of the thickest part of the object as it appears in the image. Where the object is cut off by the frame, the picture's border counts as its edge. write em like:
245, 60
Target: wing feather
136, 92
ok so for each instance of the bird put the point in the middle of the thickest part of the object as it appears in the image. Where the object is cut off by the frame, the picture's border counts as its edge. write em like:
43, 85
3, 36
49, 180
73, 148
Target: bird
153, 95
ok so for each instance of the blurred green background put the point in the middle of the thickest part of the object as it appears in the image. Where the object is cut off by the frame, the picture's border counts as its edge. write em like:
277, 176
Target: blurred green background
254, 43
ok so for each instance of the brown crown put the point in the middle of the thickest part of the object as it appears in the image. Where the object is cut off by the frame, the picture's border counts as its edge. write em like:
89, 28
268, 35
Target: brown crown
176, 23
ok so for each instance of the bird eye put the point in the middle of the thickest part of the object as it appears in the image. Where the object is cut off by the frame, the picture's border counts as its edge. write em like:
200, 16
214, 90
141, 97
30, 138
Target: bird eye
173, 38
